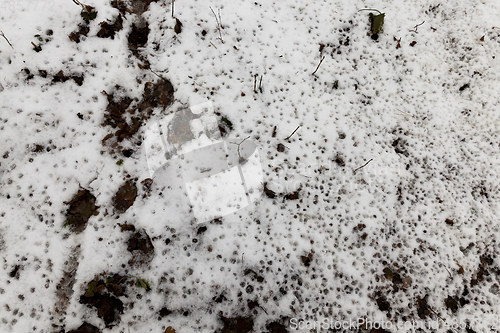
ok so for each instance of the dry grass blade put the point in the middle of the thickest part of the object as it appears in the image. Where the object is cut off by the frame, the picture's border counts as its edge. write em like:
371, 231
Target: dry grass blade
219, 23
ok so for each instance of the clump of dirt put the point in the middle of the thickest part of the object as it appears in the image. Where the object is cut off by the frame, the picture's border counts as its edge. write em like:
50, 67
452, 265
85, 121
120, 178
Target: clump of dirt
159, 94
253, 275
86, 328
83, 30
482, 272
292, 196
268, 192
103, 295
146, 187
394, 277
121, 6
138, 36
276, 327
114, 113
61, 77
423, 308
108, 30
56, 78
87, 14
382, 302
225, 125
81, 208
306, 260
125, 196
125, 115
178, 26
236, 324
141, 247
453, 303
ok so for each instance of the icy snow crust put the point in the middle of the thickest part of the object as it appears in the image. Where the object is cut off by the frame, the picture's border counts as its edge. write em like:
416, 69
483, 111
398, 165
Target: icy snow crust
364, 244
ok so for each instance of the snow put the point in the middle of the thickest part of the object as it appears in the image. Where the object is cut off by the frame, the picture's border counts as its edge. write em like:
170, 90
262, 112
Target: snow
420, 119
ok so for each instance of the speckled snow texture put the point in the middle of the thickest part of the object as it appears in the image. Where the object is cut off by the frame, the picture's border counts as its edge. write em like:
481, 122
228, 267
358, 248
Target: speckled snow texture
368, 243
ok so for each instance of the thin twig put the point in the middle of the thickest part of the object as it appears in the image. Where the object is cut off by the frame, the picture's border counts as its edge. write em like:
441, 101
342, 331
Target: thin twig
255, 83
370, 9
219, 24
362, 166
213, 45
415, 27
405, 114
446, 269
3, 35
318, 65
238, 144
173, 1
444, 321
288, 137
203, 87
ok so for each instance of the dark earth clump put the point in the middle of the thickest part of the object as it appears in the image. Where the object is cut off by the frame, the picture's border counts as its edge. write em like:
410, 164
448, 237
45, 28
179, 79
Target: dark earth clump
108, 30
83, 30
276, 327
159, 94
81, 208
423, 309
236, 325
225, 125
146, 187
141, 247
156, 95
61, 77
254, 275
292, 196
15, 272
103, 296
394, 277
114, 113
138, 36
125, 196
382, 302
178, 26
306, 260
86, 328
163, 312
482, 271
268, 192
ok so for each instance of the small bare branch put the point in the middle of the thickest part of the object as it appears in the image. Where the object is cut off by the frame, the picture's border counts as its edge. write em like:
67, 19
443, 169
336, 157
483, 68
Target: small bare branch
415, 27
3, 35
288, 137
239, 144
318, 65
354, 171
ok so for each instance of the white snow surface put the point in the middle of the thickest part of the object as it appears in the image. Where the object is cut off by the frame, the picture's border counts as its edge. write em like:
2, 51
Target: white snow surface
425, 115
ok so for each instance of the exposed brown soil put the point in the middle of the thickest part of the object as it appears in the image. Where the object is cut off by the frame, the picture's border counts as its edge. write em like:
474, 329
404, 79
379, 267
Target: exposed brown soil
81, 208
125, 196
141, 247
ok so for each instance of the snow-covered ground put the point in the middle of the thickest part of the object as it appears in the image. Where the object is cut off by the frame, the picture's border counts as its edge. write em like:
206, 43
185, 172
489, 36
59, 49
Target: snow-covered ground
382, 207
